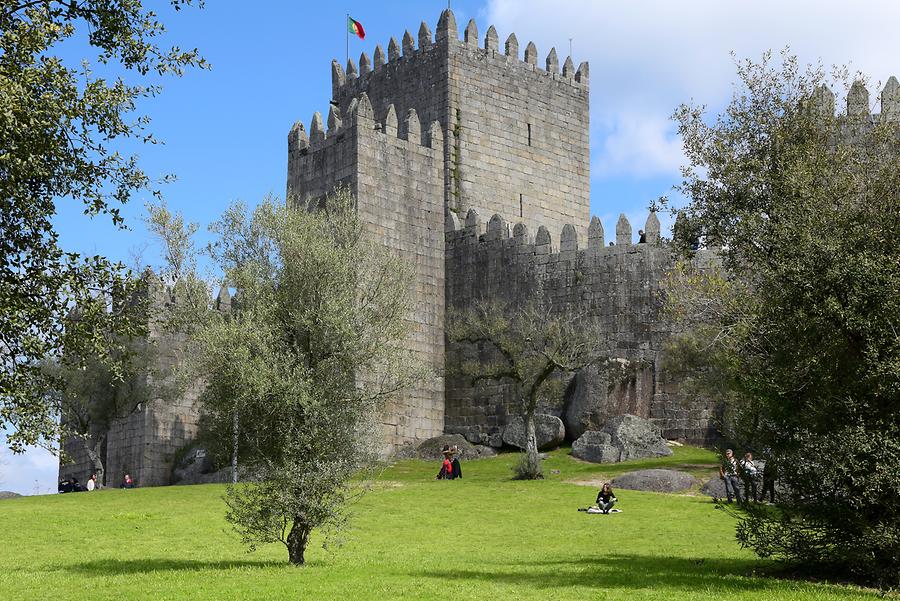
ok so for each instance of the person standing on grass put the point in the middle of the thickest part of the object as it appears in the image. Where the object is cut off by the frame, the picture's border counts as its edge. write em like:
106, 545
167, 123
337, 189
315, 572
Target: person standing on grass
605, 498
92, 483
749, 474
770, 473
728, 471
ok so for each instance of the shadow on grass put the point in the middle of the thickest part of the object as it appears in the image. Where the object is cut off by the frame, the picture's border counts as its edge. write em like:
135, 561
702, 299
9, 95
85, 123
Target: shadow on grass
621, 571
118, 567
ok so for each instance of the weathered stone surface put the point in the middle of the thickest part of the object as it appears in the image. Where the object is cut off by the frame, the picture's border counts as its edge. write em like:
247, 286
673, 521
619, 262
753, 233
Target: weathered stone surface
549, 430
431, 448
622, 438
596, 447
655, 480
596, 396
715, 487
8, 494
196, 467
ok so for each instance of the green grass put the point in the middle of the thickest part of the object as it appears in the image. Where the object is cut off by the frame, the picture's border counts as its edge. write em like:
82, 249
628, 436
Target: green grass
411, 537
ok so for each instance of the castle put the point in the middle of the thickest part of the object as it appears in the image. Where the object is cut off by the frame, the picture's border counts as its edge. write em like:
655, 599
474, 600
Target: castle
446, 144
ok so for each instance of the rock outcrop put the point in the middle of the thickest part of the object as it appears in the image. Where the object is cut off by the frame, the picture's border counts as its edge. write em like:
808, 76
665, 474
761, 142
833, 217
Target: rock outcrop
549, 430
431, 448
656, 480
620, 439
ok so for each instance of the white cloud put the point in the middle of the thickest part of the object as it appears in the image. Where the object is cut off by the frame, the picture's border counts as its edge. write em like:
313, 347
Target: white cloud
32, 472
646, 57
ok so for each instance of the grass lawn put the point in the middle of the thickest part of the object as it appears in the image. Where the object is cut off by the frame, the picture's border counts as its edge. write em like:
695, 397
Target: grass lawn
411, 537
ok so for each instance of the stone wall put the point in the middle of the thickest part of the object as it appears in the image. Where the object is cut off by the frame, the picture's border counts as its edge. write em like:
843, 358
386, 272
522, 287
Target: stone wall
145, 442
516, 134
522, 133
617, 286
394, 168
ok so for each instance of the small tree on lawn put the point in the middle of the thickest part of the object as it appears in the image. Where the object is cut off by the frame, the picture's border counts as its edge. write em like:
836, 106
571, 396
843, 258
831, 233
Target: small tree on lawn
530, 346
313, 347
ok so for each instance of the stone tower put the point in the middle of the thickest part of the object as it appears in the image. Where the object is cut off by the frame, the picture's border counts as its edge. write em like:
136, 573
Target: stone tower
446, 125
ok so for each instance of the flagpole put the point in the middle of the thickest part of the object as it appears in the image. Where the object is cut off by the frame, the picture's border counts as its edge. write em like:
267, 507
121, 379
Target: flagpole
347, 36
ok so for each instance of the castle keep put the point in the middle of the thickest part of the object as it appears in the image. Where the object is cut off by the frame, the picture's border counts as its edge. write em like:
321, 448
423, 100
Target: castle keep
441, 131
472, 163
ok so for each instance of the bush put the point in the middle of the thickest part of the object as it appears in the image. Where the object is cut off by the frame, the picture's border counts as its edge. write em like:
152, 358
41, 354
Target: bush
528, 469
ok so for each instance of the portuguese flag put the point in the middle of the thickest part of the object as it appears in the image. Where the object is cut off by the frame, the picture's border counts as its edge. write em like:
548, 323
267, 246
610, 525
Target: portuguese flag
356, 28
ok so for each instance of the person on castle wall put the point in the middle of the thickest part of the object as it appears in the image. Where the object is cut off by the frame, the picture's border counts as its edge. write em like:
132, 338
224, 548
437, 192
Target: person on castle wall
749, 474
611, 243
446, 466
455, 469
128, 482
728, 471
643, 237
91, 483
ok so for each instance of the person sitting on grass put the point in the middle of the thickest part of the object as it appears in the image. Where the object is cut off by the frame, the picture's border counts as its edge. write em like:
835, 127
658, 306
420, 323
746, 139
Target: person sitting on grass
605, 498
446, 467
128, 482
455, 469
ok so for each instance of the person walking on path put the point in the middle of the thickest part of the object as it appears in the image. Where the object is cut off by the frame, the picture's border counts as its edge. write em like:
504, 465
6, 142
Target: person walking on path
728, 471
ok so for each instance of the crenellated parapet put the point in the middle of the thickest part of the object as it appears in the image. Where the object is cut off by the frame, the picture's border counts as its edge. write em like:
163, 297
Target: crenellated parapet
352, 81
616, 285
859, 105
361, 112
471, 230
327, 156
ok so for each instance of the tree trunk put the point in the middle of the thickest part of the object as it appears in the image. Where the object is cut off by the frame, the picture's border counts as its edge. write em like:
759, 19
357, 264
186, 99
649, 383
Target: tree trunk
297, 541
235, 429
531, 446
94, 453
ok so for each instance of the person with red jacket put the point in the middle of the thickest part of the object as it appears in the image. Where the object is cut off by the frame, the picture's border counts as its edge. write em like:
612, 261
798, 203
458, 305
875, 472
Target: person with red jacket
446, 467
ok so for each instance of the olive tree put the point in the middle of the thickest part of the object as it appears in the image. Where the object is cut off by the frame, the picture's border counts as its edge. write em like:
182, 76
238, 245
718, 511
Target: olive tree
528, 347
312, 348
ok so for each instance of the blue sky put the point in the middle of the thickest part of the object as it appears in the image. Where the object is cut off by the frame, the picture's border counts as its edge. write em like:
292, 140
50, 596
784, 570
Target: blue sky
225, 129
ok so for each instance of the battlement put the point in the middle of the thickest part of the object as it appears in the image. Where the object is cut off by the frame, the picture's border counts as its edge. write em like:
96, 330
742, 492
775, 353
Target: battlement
325, 157
360, 111
858, 102
355, 78
470, 231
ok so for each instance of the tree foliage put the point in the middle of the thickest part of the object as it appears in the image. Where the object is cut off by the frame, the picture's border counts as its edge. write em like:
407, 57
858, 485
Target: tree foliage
529, 347
799, 328
60, 126
94, 391
300, 367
